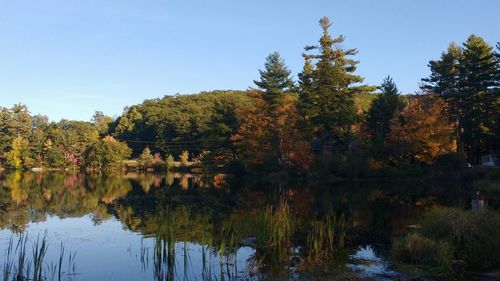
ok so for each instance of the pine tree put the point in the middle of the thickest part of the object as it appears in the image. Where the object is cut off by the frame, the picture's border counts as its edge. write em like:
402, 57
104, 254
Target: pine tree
383, 109
305, 103
275, 80
477, 82
327, 91
445, 82
466, 77
444, 78
496, 118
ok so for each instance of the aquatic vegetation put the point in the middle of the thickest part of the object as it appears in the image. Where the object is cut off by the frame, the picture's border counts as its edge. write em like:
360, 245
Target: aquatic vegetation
243, 231
19, 265
448, 234
274, 232
419, 250
326, 237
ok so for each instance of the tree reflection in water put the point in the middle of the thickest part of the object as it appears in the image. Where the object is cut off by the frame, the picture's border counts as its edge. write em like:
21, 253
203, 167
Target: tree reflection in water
215, 227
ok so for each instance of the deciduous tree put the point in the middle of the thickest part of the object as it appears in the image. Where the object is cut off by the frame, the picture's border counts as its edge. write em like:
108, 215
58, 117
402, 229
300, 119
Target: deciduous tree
422, 131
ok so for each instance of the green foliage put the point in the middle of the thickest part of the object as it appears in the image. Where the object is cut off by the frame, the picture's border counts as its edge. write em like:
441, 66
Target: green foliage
279, 127
327, 93
102, 122
467, 78
54, 156
275, 229
275, 80
216, 139
176, 123
448, 234
326, 238
419, 250
108, 151
18, 157
146, 159
14, 122
383, 108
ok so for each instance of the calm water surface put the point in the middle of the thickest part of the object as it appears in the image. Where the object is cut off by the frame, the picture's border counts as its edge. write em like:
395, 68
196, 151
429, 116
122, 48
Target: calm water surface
201, 227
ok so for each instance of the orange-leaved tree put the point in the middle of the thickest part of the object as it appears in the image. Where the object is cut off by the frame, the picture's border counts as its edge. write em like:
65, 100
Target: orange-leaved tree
260, 126
254, 137
422, 130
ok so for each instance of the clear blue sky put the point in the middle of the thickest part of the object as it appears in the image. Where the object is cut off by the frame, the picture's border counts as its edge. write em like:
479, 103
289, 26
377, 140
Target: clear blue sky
67, 58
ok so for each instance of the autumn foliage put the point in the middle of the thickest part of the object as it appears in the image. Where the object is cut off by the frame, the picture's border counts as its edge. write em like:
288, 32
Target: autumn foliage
422, 131
255, 137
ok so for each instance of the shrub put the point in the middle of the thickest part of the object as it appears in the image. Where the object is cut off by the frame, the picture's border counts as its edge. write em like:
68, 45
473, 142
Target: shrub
470, 236
420, 250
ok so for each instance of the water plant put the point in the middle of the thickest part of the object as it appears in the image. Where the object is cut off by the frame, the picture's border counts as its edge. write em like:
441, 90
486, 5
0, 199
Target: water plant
274, 230
19, 265
326, 237
449, 234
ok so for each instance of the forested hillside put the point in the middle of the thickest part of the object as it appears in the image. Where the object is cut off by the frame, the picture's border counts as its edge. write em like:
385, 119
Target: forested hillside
326, 121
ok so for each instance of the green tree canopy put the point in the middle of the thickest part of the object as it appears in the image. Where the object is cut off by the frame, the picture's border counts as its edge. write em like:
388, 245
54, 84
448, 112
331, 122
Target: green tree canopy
275, 80
467, 78
383, 109
327, 90
108, 151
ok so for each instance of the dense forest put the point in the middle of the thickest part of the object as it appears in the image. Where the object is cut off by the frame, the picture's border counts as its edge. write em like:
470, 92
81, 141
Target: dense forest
327, 121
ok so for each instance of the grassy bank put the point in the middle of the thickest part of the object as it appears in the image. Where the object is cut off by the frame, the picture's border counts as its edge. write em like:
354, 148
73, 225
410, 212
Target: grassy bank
450, 239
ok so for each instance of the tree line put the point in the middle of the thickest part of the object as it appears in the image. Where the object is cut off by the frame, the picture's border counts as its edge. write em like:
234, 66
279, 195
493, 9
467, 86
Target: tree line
328, 119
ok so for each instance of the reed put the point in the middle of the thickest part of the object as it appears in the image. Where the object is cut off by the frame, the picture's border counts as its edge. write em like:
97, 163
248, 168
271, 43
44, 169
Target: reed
325, 239
19, 265
39, 251
275, 228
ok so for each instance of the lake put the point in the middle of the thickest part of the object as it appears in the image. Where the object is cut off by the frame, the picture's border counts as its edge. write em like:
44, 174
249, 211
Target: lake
175, 226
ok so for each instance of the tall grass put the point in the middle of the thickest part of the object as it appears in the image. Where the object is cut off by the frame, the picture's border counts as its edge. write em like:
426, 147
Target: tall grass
274, 229
19, 265
171, 255
284, 240
325, 238
449, 234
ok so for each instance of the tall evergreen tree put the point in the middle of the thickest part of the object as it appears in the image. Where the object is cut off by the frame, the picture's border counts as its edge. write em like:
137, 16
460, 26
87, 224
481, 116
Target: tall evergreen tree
445, 81
275, 80
466, 78
477, 82
306, 90
326, 98
444, 78
497, 92
383, 109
